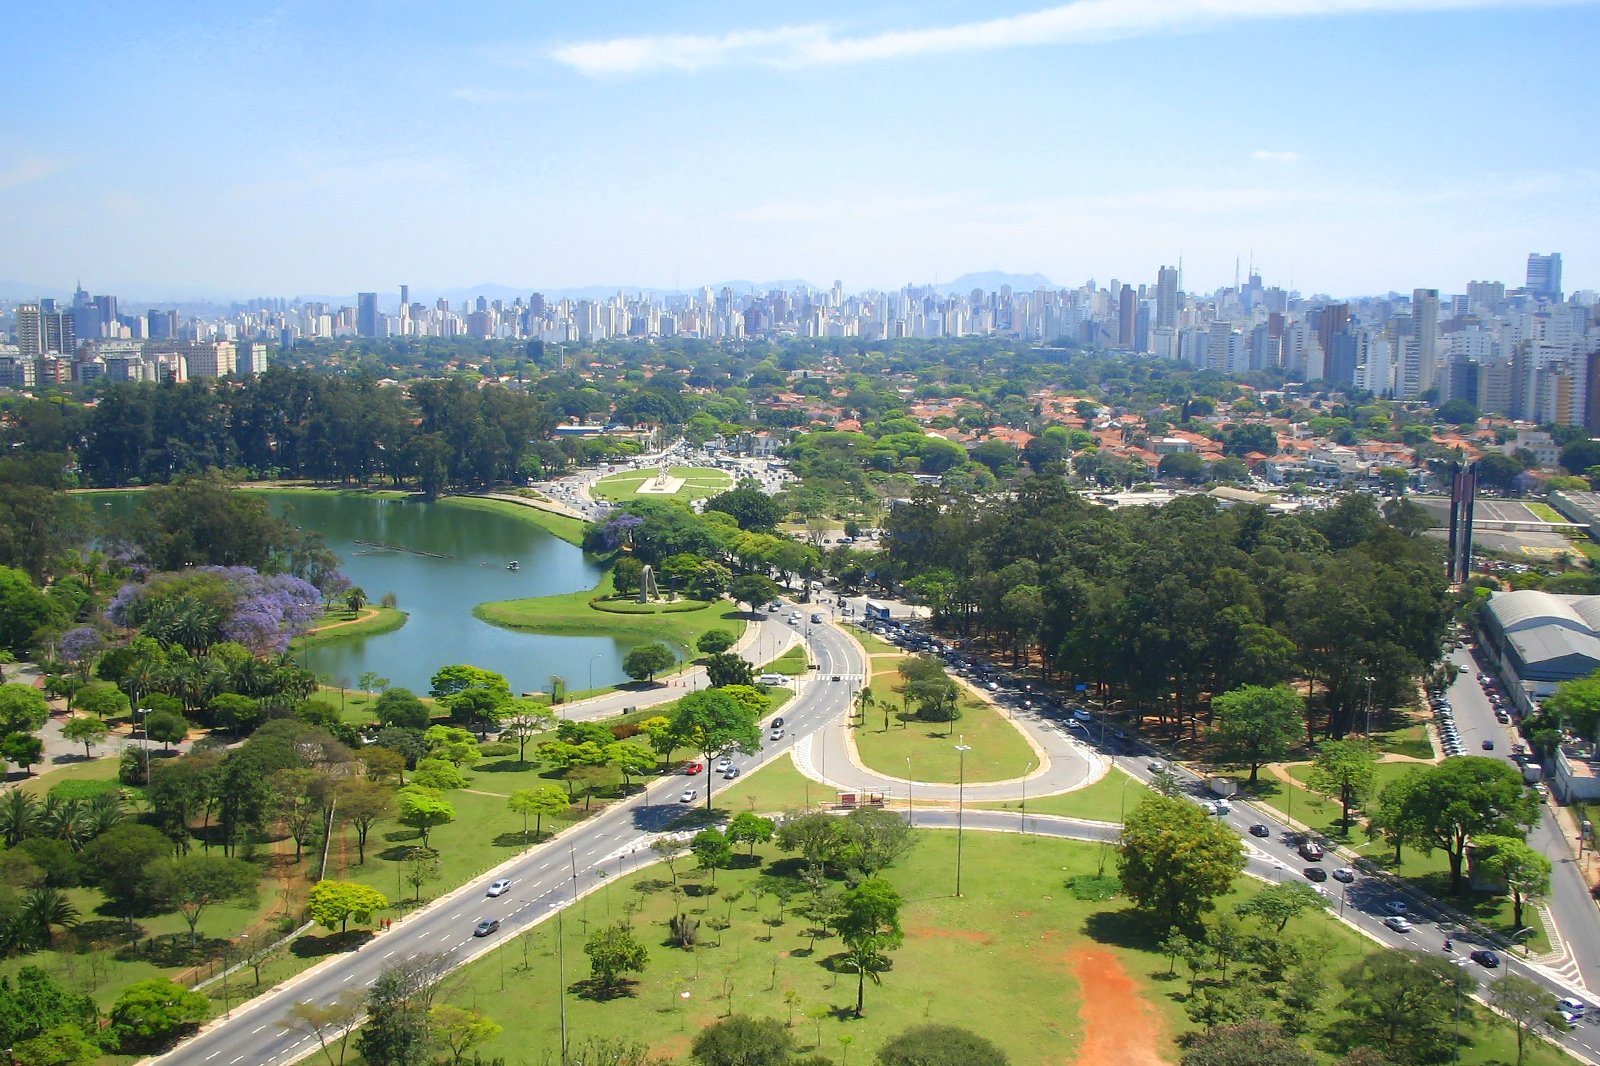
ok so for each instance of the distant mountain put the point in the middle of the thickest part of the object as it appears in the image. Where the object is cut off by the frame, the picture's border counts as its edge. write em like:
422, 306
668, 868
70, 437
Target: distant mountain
991, 280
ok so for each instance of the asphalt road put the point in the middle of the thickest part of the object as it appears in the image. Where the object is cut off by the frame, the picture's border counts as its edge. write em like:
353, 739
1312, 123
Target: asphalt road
616, 842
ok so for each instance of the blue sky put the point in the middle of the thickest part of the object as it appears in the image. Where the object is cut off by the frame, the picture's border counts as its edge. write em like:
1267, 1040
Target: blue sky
1351, 146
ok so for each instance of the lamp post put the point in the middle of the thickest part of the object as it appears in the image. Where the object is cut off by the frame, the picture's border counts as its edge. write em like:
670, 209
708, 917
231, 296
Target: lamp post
1025, 774
1369, 680
910, 818
961, 795
592, 658
561, 971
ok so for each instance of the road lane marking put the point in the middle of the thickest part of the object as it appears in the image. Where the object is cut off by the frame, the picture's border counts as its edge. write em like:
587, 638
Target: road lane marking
234, 1060
214, 1054
258, 1029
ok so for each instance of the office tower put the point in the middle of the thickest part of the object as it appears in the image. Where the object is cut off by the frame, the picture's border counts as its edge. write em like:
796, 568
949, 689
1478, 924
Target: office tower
1544, 276
1485, 294
405, 310
251, 358
366, 314
1125, 317
161, 325
1425, 325
105, 308
1331, 320
1167, 298
30, 331
58, 332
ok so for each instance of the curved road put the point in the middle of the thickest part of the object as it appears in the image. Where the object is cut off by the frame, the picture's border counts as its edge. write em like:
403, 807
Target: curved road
616, 842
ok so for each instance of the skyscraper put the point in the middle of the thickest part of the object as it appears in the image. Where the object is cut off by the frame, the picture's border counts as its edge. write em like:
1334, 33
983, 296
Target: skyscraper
1125, 316
30, 331
1167, 297
1425, 323
1544, 276
366, 314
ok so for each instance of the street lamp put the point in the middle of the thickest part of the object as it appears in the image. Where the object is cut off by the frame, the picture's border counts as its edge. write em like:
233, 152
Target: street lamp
592, 658
561, 970
1025, 774
961, 794
1369, 680
910, 818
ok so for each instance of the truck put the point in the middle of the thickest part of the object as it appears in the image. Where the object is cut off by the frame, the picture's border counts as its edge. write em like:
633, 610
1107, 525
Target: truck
1225, 787
876, 612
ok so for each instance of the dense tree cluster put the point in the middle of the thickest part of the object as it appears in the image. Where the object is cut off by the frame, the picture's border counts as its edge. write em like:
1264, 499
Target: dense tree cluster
1164, 607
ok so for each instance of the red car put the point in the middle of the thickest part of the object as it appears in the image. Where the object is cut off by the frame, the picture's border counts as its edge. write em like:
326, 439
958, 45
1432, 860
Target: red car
694, 768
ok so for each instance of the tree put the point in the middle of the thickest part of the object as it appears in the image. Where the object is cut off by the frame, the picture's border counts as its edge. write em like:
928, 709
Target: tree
712, 850
103, 701
1403, 1001
422, 866
869, 925
400, 707
168, 728
461, 1029
1277, 904
725, 668
647, 660
1248, 1043
331, 1025
362, 803
880, 837
754, 589
1525, 871
1580, 455
32, 1003
523, 720
423, 810
540, 802
151, 1012
86, 730
940, 1045
740, 1040
1345, 769
1458, 411
23, 708
61, 1045
1174, 861
1464, 797
750, 507
631, 760
1526, 1007
191, 884
717, 725
118, 859
334, 903
715, 640
1256, 725
22, 749
399, 1006
749, 828
613, 951
1390, 819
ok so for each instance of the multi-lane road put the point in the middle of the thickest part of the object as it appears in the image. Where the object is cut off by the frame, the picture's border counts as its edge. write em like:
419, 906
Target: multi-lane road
616, 842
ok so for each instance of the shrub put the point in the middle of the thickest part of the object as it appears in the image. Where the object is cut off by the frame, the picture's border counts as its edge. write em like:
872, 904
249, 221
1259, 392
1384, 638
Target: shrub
1091, 889
497, 748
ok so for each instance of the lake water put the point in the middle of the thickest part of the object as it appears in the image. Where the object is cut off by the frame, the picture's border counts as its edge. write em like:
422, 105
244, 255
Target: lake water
380, 543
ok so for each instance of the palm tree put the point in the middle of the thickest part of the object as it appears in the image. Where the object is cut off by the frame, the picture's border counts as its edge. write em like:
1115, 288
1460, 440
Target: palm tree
43, 910
865, 701
19, 817
865, 956
64, 820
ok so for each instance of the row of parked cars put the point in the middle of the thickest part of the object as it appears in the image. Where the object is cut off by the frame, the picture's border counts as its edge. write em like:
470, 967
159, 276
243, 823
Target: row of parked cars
1449, 736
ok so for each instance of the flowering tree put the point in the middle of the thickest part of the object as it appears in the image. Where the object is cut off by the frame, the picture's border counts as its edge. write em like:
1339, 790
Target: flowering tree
202, 605
79, 646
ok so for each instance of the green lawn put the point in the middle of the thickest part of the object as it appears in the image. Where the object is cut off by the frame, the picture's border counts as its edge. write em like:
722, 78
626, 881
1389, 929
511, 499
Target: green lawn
574, 614
1003, 960
999, 752
873, 645
792, 662
1107, 800
1544, 511
1410, 740
698, 483
559, 525
347, 625
102, 768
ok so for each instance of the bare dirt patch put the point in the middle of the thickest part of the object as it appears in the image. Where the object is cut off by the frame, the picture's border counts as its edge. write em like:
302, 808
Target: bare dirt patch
1119, 1026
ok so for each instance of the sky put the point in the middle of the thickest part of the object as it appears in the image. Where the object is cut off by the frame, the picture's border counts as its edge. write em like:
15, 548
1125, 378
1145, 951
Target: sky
1345, 147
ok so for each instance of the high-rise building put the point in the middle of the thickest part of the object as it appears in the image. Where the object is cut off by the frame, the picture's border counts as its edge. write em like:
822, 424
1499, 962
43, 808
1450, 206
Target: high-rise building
1544, 276
1167, 298
1125, 316
30, 331
366, 314
161, 325
1425, 324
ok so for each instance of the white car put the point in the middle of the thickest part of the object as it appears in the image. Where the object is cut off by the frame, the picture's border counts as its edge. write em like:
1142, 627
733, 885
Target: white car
1397, 923
500, 887
1082, 715
1574, 1007
689, 795
1396, 907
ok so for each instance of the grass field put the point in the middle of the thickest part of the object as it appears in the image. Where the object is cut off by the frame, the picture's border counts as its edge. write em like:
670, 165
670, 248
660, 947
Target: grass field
698, 483
1107, 800
574, 615
791, 662
999, 752
567, 529
348, 625
1017, 958
1544, 511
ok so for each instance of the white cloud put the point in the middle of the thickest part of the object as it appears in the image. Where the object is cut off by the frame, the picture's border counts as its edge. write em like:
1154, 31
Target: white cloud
1268, 156
27, 171
1080, 21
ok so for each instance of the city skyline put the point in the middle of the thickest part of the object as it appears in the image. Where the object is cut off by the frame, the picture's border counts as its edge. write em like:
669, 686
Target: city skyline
1347, 147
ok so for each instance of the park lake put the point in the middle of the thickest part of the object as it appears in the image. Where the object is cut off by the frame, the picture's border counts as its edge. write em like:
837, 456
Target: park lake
440, 561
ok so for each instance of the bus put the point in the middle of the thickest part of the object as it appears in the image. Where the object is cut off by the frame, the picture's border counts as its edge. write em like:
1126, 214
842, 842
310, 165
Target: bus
877, 612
